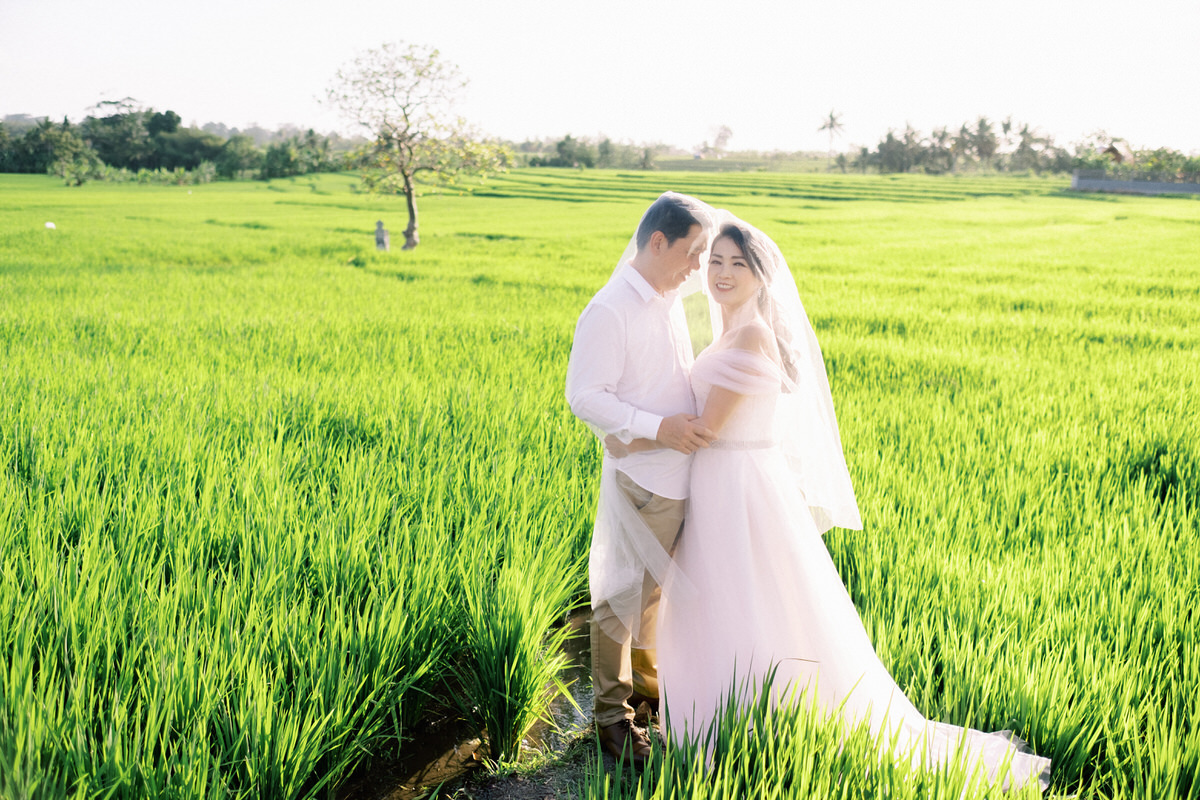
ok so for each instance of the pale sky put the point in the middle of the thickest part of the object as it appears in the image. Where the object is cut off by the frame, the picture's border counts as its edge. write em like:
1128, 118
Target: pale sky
635, 70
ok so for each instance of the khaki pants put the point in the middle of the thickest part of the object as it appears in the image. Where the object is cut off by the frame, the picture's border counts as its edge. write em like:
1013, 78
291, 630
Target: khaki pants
617, 669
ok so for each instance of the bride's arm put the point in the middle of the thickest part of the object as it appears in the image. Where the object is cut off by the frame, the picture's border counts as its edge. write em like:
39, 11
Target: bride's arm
719, 408
723, 401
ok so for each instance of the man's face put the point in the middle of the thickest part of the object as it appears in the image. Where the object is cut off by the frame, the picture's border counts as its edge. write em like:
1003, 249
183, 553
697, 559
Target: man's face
682, 257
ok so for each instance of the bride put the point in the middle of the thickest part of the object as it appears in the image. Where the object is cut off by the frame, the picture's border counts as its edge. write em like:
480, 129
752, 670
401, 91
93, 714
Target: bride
752, 589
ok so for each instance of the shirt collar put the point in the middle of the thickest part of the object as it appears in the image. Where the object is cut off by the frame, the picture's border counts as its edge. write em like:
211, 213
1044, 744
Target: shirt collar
643, 287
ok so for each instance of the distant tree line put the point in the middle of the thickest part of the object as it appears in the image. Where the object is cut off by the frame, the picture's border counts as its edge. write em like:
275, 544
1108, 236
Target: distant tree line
1006, 146
119, 141
1160, 164
572, 152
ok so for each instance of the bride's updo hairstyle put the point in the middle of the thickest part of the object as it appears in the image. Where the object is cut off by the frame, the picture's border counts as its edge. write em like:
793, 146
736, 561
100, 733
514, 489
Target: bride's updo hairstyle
762, 264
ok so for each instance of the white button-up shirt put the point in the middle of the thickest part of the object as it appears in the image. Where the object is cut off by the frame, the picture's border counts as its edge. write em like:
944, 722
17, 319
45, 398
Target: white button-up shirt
628, 369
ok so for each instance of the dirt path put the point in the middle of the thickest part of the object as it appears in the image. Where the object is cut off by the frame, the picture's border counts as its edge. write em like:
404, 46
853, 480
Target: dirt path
461, 775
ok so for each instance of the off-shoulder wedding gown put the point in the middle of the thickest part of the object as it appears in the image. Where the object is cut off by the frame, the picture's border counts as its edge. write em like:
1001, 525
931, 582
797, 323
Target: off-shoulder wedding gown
762, 592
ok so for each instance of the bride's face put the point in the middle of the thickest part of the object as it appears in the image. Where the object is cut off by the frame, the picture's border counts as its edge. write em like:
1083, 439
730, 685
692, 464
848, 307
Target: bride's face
730, 279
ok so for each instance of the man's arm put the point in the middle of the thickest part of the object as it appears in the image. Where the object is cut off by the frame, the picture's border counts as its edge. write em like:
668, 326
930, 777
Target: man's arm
683, 432
596, 363
597, 360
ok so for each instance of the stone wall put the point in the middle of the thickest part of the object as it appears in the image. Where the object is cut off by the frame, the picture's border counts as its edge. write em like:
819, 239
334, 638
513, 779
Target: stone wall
1132, 187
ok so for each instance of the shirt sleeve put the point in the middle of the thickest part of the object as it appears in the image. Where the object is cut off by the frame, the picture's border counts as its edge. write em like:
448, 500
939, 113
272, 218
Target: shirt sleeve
595, 367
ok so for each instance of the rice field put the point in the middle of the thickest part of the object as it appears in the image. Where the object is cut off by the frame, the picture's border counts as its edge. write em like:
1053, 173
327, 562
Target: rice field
269, 499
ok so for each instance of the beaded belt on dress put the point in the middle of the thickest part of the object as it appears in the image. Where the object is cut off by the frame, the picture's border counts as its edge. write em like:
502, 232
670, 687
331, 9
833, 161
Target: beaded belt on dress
743, 444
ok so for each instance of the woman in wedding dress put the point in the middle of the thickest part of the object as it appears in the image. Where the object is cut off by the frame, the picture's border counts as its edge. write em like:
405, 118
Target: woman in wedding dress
752, 589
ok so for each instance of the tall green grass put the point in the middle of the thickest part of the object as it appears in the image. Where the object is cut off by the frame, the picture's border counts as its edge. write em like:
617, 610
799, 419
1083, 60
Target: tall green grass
268, 497
794, 749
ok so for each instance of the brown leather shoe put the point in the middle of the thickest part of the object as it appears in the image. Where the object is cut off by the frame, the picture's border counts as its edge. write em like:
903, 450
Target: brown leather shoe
636, 701
624, 740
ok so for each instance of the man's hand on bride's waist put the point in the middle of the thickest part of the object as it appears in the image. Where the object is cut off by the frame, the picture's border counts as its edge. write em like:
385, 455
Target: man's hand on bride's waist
685, 433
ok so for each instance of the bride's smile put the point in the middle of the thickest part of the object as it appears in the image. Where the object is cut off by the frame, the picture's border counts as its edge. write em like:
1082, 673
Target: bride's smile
731, 280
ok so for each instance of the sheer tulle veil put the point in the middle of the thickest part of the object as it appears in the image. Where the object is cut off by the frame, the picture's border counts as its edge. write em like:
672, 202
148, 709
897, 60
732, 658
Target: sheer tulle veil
805, 420
626, 560
751, 585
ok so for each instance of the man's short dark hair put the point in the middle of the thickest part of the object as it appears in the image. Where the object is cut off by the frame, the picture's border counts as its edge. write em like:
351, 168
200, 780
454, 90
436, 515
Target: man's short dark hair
672, 214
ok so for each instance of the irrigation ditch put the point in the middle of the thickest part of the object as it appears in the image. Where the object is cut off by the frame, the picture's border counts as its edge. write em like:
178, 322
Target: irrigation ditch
445, 759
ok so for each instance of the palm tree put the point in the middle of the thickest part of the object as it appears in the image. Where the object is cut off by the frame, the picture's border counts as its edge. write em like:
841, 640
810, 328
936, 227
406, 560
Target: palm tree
940, 150
984, 140
961, 145
834, 125
1026, 155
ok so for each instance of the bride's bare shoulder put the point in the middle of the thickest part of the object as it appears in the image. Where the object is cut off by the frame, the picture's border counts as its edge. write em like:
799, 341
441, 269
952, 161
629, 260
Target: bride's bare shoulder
755, 337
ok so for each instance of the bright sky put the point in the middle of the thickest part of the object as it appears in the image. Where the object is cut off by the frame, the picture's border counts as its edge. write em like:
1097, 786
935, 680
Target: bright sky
636, 70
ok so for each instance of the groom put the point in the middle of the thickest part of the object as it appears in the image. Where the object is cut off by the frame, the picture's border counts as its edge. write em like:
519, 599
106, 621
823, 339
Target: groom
628, 376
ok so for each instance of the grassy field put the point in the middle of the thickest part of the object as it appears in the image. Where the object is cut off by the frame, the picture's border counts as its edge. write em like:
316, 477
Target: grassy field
808, 162
268, 498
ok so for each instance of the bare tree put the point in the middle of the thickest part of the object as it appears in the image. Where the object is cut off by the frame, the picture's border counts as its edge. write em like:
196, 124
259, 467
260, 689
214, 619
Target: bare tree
833, 124
403, 96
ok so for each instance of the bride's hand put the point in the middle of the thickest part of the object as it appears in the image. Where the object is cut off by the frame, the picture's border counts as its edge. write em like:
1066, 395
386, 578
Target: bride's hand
615, 447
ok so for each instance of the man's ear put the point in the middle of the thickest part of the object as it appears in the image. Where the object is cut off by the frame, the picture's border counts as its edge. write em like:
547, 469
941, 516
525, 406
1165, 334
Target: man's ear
658, 242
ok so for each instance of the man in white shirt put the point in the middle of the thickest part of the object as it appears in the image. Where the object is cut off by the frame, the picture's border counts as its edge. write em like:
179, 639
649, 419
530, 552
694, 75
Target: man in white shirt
628, 376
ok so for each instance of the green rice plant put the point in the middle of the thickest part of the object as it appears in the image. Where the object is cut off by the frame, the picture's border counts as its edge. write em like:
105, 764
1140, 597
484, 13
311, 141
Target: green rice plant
513, 640
764, 745
261, 509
